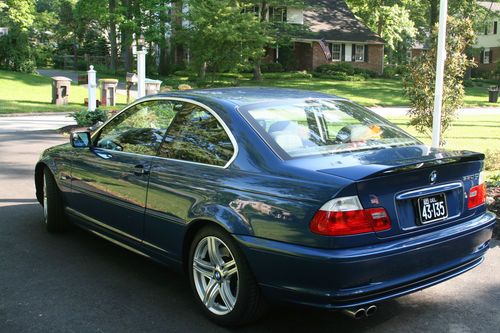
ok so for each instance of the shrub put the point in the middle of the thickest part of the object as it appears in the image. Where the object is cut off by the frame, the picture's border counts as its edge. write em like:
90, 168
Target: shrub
184, 72
272, 67
492, 160
86, 118
341, 67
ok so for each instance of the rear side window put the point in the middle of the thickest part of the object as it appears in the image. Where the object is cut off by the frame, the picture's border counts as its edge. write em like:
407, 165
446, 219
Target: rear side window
195, 135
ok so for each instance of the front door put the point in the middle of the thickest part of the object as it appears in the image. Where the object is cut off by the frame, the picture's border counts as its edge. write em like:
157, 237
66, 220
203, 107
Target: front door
109, 181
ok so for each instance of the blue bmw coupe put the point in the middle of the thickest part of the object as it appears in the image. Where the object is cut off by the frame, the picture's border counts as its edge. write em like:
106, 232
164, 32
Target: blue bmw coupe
262, 194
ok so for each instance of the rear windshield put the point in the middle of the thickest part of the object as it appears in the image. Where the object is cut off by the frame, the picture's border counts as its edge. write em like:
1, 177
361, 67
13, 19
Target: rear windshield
300, 128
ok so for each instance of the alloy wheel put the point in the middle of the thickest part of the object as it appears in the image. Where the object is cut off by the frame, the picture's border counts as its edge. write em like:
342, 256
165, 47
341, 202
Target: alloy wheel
215, 275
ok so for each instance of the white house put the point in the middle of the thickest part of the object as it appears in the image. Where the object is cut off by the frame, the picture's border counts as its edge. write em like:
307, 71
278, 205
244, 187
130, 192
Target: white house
488, 40
4, 31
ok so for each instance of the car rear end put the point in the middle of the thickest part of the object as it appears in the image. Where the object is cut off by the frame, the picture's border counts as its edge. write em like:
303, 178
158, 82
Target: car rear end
411, 218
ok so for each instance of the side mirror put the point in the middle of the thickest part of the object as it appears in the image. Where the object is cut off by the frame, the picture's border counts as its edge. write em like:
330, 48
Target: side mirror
80, 139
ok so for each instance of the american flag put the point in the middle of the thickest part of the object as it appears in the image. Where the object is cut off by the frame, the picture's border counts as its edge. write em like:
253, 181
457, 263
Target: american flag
326, 49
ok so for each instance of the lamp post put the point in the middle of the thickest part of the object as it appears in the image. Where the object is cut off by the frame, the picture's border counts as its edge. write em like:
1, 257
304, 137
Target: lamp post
141, 68
92, 85
438, 89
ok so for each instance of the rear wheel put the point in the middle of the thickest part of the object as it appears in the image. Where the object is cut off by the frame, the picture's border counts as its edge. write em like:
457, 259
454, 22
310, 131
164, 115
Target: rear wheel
221, 279
53, 207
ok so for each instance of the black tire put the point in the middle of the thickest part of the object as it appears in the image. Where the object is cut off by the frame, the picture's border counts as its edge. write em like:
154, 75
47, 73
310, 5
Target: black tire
54, 211
250, 303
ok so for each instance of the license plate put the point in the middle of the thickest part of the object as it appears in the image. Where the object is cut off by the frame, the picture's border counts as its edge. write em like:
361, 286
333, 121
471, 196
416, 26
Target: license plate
432, 208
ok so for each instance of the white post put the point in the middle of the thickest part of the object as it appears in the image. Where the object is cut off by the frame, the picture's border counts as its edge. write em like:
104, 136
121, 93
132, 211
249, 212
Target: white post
438, 89
141, 73
92, 85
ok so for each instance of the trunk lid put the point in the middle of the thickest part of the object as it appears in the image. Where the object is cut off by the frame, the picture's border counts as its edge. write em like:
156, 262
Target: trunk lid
403, 181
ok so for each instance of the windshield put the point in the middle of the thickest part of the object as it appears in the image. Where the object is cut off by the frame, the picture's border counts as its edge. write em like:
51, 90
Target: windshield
310, 127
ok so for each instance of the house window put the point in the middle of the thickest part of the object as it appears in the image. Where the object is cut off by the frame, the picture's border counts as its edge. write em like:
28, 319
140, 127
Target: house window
489, 28
252, 9
359, 54
336, 52
277, 14
487, 56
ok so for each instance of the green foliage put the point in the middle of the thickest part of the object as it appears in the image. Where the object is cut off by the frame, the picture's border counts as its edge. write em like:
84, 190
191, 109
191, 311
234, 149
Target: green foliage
85, 118
420, 79
272, 67
16, 53
340, 67
394, 71
222, 35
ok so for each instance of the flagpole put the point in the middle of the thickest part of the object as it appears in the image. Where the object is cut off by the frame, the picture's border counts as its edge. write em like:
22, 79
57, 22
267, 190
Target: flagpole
438, 89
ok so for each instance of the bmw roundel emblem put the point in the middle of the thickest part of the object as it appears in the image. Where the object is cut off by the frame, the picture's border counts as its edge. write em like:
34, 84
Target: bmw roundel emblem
433, 177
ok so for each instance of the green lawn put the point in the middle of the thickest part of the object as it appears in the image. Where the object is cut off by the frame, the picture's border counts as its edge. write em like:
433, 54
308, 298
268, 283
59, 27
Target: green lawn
24, 93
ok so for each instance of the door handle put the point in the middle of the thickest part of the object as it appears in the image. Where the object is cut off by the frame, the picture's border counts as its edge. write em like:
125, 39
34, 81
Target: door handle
139, 170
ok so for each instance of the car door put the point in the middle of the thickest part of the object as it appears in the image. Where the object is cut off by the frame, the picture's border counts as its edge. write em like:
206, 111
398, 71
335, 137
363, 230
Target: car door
191, 161
109, 181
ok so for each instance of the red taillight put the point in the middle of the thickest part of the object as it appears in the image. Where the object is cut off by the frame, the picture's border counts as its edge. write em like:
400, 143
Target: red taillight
477, 196
352, 222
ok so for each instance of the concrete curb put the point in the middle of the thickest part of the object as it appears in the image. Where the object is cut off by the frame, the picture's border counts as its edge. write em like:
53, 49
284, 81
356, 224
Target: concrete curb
41, 114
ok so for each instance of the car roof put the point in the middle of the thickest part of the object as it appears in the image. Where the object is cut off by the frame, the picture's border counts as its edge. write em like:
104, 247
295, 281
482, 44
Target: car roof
241, 96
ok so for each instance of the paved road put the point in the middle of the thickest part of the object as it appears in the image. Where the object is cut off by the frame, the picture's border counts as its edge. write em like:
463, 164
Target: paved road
76, 282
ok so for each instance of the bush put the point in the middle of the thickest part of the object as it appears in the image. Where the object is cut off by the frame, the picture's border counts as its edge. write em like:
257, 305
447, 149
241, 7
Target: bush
341, 67
86, 118
184, 72
339, 76
272, 67
492, 160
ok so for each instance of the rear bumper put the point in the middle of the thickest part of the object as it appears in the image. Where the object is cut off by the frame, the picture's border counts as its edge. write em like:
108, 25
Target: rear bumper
344, 278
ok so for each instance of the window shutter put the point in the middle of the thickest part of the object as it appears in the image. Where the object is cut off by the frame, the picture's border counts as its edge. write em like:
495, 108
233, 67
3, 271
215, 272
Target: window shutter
342, 54
353, 52
491, 56
481, 57
495, 25
366, 53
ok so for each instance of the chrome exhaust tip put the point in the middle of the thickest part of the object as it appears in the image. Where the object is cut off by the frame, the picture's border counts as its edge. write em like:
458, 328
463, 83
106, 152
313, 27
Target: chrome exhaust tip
370, 311
355, 313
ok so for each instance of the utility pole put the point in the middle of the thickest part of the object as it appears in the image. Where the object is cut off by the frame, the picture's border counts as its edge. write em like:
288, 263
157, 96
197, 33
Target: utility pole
438, 90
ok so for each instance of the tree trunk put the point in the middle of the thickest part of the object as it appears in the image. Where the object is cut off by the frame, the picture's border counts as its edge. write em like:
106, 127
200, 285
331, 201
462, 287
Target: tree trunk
433, 13
176, 45
202, 73
112, 35
163, 69
126, 38
257, 73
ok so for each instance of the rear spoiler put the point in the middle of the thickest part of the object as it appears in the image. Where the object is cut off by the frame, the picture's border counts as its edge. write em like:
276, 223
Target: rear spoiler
409, 165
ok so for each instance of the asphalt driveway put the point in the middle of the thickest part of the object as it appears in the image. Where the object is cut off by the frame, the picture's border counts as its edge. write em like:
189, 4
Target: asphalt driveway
76, 282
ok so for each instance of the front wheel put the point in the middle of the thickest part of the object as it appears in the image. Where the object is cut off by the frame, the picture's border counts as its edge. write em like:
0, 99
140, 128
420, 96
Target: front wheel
221, 279
53, 207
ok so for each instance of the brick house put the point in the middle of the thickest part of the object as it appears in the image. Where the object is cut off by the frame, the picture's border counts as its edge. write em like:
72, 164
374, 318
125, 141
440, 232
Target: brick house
331, 22
488, 40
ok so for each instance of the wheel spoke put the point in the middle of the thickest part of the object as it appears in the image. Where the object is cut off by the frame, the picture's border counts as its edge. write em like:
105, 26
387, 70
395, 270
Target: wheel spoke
229, 268
211, 293
204, 268
213, 251
226, 295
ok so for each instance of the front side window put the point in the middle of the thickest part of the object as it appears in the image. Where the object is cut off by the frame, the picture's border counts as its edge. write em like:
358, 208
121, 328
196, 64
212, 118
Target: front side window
139, 129
336, 52
195, 135
313, 127
359, 54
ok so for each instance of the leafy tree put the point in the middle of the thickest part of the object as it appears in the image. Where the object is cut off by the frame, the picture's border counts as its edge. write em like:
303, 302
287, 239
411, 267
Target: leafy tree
222, 35
420, 79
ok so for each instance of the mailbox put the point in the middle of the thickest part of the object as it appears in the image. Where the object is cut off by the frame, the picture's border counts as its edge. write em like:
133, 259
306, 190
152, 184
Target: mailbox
60, 90
152, 86
108, 91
